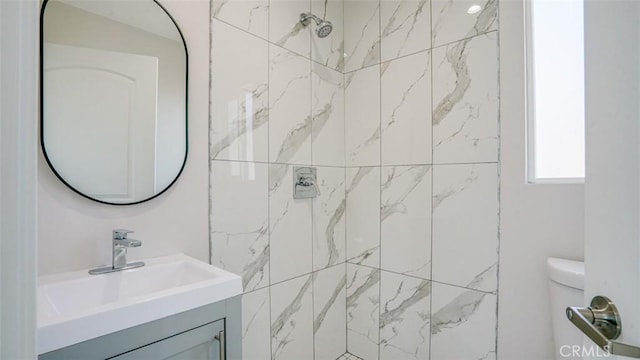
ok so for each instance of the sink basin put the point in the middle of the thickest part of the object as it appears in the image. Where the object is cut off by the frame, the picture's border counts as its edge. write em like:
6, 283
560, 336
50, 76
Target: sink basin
75, 306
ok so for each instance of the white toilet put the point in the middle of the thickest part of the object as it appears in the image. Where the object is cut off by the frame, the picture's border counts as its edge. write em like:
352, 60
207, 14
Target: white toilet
566, 288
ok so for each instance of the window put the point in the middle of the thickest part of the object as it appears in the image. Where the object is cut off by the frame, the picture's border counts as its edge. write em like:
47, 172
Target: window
555, 82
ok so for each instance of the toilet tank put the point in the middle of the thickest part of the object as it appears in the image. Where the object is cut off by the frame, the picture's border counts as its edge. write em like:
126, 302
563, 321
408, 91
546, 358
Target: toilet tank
566, 288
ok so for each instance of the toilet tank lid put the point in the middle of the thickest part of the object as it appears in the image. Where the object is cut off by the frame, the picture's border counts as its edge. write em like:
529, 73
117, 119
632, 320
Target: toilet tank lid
566, 272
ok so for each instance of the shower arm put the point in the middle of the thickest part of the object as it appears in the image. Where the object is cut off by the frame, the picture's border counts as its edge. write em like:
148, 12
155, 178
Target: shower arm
304, 18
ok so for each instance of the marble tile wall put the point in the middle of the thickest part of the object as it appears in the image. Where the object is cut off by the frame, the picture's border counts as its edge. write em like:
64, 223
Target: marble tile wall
398, 109
277, 101
421, 117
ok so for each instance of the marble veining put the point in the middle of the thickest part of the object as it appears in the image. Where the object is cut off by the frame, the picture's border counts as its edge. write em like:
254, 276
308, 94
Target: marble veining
329, 302
288, 324
254, 271
463, 323
285, 29
451, 22
404, 317
365, 256
256, 344
457, 311
216, 6
362, 130
334, 219
392, 171
470, 179
457, 57
372, 141
359, 176
362, 38
406, 27
277, 173
486, 276
329, 219
395, 204
405, 215
329, 51
332, 247
405, 115
255, 117
290, 107
327, 131
370, 280
294, 140
405, 94
486, 18
392, 314
295, 30
240, 243
290, 230
250, 321
319, 319
465, 194
239, 106
363, 216
320, 118
363, 303
249, 15
465, 86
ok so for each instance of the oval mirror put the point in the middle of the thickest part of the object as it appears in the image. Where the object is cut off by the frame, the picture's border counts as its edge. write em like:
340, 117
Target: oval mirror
113, 98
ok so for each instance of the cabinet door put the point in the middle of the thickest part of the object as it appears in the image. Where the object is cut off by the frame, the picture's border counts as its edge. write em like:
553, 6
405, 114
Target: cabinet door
196, 344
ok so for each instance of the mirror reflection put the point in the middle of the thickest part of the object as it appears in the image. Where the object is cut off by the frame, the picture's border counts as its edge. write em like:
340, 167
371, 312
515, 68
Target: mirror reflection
114, 76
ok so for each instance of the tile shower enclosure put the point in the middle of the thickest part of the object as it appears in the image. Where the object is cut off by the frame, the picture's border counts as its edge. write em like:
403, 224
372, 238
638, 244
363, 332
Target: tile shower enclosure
398, 109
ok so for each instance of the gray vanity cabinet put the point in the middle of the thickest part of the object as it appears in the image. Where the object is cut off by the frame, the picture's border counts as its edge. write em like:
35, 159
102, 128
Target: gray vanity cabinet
196, 334
202, 343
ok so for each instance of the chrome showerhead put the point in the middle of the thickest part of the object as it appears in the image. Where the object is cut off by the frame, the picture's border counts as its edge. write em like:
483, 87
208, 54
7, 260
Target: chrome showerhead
324, 27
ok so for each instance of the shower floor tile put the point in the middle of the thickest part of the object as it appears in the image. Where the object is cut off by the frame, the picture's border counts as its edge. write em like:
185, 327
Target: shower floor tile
347, 356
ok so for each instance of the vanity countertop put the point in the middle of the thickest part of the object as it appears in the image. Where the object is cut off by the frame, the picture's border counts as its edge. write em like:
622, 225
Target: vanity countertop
75, 306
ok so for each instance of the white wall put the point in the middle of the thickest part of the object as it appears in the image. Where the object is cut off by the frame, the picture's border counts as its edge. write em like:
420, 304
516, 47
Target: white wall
537, 221
18, 139
75, 233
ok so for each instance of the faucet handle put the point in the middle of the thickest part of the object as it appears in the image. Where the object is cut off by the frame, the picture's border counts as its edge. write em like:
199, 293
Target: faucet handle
121, 234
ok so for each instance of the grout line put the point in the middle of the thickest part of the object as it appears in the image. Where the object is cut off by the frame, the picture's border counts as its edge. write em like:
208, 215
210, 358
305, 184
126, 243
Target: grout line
432, 175
464, 39
312, 201
268, 184
309, 273
499, 178
421, 278
278, 163
411, 165
272, 43
380, 174
209, 122
354, 166
432, 48
346, 185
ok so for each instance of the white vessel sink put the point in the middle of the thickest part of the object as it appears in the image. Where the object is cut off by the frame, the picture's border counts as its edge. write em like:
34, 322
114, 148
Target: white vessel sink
75, 306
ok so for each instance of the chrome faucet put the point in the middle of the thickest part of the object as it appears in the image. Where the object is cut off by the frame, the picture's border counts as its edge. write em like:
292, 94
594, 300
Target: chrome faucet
119, 259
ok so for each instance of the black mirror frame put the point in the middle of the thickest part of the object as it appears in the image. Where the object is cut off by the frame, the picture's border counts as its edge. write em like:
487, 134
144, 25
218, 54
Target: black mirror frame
186, 120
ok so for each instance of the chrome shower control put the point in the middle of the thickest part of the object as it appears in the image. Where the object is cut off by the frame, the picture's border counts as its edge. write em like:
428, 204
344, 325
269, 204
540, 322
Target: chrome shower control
304, 183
